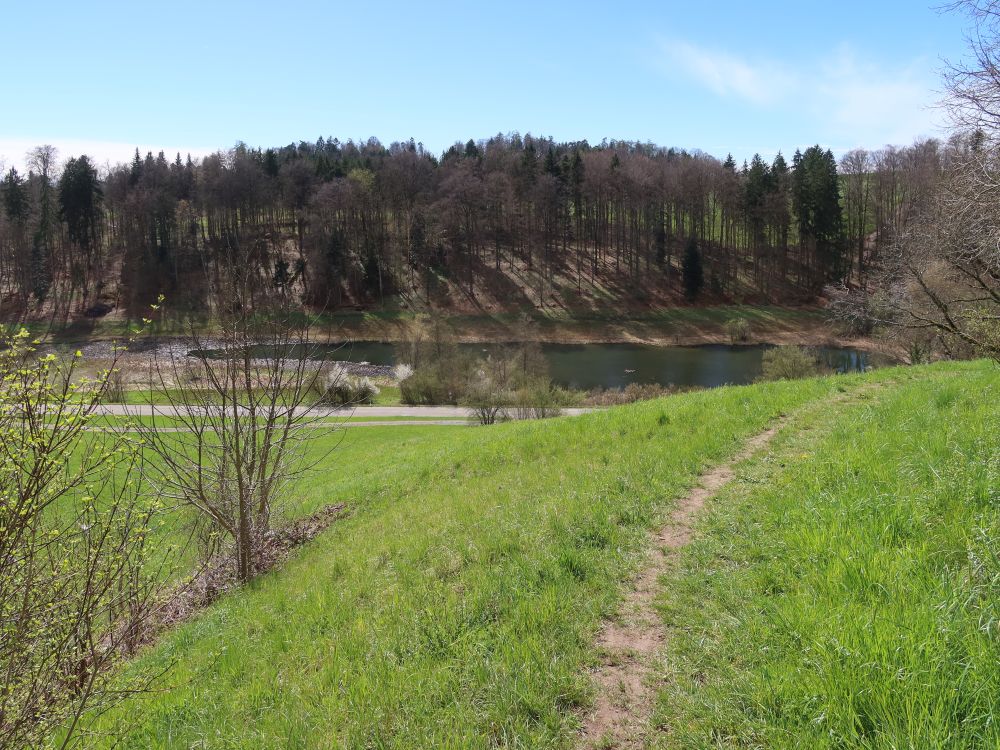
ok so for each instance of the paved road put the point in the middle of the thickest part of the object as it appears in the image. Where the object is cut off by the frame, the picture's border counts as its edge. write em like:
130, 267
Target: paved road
444, 413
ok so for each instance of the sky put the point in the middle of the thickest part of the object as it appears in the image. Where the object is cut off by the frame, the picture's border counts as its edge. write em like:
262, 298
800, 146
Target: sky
103, 78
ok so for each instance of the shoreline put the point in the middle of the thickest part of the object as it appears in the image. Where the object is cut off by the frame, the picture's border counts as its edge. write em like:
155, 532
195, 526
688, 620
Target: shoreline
802, 328
681, 326
782, 338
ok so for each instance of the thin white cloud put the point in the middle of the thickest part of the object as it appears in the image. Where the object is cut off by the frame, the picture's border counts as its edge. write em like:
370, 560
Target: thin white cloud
853, 101
13, 151
759, 82
860, 97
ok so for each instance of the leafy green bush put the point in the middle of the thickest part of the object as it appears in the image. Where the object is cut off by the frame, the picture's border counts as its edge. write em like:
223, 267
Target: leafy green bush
738, 329
75, 531
920, 350
788, 363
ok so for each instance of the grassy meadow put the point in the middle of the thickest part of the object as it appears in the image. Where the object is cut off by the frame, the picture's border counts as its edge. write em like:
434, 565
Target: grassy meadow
840, 593
388, 395
845, 592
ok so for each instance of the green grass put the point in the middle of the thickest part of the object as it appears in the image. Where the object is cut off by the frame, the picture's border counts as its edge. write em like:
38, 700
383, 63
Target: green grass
388, 396
456, 606
154, 396
318, 422
340, 458
845, 593
841, 594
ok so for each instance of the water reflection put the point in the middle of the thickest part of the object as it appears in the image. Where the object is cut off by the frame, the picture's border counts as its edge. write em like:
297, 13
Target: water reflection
617, 365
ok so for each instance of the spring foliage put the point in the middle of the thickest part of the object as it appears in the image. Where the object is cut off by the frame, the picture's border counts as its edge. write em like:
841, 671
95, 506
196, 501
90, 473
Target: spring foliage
74, 588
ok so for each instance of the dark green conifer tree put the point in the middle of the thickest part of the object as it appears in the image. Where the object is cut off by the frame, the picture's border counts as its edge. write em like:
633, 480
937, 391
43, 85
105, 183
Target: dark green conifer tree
691, 270
80, 198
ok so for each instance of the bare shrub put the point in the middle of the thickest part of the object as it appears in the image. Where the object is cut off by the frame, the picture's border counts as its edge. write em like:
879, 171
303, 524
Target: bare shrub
235, 445
439, 371
539, 399
339, 388
511, 380
628, 395
443, 382
115, 387
488, 392
401, 372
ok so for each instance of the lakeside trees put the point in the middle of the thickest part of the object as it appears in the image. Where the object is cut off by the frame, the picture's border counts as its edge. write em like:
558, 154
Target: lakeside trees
938, 285
353, 223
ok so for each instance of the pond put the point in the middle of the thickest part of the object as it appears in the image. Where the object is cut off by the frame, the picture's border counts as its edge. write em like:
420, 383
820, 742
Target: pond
617, 365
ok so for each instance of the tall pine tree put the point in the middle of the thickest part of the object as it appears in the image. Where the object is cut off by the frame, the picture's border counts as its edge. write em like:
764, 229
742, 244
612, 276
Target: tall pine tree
816, 201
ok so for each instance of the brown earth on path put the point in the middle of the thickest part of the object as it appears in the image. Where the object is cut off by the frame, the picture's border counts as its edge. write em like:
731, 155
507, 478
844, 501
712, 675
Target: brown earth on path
620, 717
624, 702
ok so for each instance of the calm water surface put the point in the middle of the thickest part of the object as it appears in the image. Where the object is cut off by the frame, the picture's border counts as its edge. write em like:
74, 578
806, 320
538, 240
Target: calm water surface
617, 365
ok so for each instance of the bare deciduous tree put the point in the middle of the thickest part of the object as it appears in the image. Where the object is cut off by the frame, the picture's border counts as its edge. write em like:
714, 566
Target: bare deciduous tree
239, 410
974, 85
945, 271
940, 279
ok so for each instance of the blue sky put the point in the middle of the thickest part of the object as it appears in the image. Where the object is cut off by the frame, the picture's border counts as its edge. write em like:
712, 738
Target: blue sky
105, 77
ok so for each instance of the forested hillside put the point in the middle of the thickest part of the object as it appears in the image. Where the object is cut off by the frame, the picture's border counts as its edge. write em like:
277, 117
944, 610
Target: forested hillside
503, 223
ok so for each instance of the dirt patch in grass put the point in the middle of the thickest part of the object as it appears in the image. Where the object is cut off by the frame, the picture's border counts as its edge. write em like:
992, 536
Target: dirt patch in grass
624, 698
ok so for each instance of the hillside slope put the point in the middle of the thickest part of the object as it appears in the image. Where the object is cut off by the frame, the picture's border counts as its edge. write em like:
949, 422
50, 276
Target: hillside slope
458, 605
845, 594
